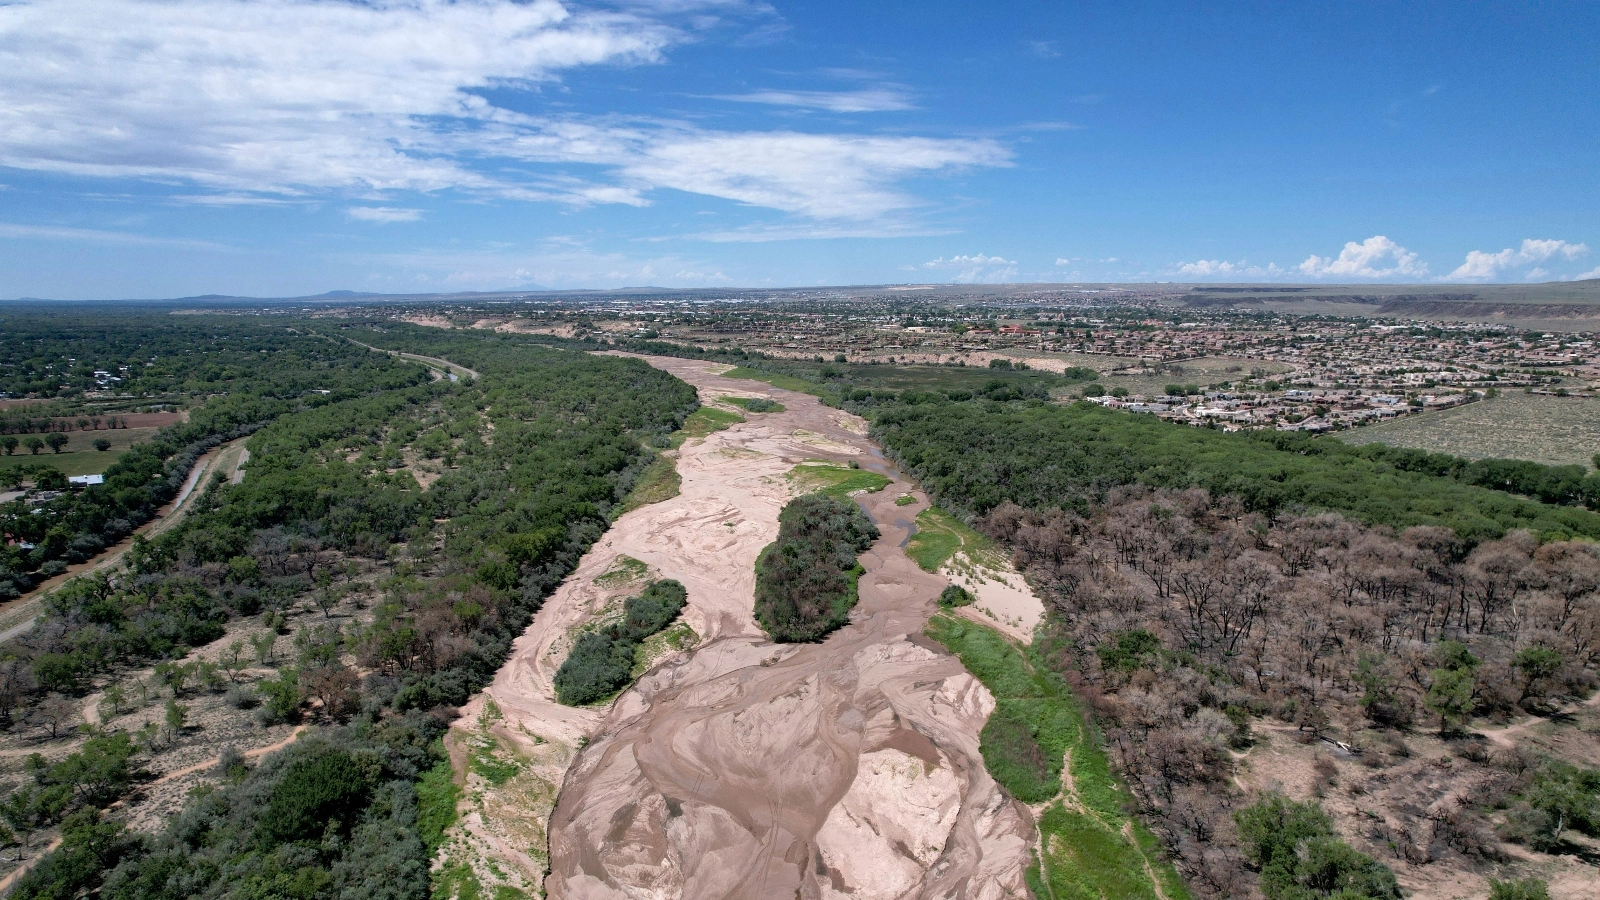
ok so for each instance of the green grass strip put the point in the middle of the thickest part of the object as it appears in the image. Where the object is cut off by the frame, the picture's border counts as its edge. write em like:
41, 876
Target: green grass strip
437, 794
940, 536
786, 382
659, 481
708, 419
1036, 722
834, 480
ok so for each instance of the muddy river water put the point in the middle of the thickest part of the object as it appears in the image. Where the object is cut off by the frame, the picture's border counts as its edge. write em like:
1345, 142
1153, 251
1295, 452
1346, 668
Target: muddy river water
745, 769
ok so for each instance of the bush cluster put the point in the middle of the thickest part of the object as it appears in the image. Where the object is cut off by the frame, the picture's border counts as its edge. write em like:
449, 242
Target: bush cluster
601, 662
806, 579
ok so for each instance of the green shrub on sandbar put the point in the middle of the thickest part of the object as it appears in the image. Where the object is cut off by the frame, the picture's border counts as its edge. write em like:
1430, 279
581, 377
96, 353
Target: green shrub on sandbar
806, 579
601, 662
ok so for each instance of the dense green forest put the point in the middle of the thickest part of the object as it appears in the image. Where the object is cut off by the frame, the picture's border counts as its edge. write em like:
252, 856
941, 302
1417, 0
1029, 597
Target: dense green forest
973, 456
534, 454
242, 372
1564, 485
806, 579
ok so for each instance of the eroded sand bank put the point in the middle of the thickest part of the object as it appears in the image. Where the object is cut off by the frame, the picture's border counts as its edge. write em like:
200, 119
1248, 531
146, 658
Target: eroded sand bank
746, 769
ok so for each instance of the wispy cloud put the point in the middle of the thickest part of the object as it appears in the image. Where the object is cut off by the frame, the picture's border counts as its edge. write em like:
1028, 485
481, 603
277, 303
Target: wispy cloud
874, 100
813, 231
1044, 49
1375, 257
96, 236
306, 98
226, 199
1480, 265
383, 214
976, 268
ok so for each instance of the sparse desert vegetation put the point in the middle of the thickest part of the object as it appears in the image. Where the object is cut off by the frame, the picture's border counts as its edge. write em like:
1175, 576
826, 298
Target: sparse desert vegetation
1514, 425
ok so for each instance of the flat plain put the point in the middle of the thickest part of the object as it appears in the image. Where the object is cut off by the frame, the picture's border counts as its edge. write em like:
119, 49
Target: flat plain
1546, 429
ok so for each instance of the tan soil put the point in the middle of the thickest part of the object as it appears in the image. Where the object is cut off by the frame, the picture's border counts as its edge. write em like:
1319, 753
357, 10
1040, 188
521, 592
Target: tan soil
1375, 809
1003, 601
746, 769
429, 321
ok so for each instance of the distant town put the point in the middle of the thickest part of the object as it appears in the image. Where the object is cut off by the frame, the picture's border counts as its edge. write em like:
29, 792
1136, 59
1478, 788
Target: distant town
1230, 369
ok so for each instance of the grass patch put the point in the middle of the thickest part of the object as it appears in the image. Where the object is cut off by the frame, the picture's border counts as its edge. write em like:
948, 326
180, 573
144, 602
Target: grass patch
457, 882
756, 404
678, 637
904, 500
623, 570
786, 382
940, 536
705, 421
1036, 724
437, 795
484, 760
659, 481
90, 463
1083, 858
837, 481
1550, 430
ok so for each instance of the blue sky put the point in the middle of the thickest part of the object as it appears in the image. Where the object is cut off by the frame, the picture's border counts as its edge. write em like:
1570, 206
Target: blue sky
284, 147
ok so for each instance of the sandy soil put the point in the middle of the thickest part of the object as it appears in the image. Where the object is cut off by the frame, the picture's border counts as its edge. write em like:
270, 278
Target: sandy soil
1004, 600
746, 769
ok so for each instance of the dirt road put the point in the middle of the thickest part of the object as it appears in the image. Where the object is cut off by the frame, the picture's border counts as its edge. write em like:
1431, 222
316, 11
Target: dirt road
750, 770
17, 616
454, 370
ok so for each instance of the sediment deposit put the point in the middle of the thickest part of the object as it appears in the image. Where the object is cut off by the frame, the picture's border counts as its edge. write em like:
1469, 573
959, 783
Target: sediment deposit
745, 769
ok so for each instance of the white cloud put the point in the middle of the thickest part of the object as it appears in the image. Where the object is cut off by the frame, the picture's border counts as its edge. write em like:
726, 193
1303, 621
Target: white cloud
1592, 273
1375, 257
1044, 49
1206, 267
975, 260
976, 269
383, 214
875, 100
299, 98
1217, 268
1482, 265
822, 176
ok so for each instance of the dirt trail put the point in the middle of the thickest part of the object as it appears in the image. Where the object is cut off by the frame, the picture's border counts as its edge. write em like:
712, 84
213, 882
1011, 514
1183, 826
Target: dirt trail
27, 866
746, 769
253, 753
17, 616
450, 368
1506, 737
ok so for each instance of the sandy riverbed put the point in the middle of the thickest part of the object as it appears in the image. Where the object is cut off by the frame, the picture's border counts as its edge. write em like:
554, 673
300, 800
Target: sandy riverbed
746, 769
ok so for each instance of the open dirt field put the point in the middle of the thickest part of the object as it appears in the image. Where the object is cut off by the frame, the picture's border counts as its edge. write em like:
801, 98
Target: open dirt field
1553, 430
743, 768
1204, 372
